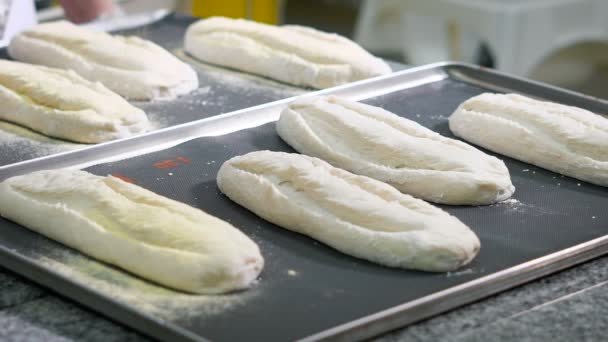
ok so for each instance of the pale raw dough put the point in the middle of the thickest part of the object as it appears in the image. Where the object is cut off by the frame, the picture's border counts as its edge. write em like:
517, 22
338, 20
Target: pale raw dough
292, 54
354, 214
61, 104
134, 68
568, 140
152, 236
371, 141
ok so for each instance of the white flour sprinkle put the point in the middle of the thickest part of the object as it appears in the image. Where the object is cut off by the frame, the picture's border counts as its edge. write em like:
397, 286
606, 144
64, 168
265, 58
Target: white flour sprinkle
211, 97
511, 202
236, 79
438, 117
459, 273
19, 143
145, 296
512, 205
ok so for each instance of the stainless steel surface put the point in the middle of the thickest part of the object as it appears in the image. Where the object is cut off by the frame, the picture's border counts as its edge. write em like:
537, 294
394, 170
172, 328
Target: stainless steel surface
433, 91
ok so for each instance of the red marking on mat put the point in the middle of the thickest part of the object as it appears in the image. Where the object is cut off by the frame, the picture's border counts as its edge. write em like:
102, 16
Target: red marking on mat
165, 164
169, 163
124, 178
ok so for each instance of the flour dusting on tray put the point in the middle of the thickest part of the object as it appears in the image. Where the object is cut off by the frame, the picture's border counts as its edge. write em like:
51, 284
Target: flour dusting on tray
147, 297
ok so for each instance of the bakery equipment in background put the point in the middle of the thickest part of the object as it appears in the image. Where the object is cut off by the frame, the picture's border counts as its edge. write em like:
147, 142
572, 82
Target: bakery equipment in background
15, 16
517, 37
264, 11
127, 14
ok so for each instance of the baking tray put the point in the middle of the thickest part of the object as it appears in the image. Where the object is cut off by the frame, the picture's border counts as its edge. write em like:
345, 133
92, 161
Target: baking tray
220, 91
307, 290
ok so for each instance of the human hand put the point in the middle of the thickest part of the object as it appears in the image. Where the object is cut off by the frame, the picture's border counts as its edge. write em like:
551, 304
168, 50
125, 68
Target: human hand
80, 11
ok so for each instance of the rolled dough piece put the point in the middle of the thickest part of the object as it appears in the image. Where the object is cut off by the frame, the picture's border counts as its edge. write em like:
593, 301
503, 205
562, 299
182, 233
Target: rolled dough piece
371, 141
568, 140
133, 67
152, 236
354, 214
292, 54
61, 104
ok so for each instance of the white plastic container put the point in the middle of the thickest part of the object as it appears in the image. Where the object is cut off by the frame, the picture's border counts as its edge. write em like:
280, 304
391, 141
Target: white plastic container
520, 34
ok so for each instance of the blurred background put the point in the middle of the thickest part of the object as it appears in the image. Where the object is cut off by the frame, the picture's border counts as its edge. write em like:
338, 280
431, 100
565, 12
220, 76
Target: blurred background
561, 42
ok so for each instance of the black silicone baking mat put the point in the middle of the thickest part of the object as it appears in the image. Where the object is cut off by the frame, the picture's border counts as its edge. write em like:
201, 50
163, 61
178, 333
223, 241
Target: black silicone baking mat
306, 287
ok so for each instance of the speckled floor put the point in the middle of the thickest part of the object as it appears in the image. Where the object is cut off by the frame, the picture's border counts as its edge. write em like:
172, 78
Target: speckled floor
568, 306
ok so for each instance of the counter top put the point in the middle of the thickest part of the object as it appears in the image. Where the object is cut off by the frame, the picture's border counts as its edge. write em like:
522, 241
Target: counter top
567, 306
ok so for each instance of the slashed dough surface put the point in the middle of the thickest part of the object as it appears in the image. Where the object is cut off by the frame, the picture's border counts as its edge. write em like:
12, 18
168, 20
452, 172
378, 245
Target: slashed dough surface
123, 224
61, 104
564, 139
132, 67
354, 214
371, 141
292, 54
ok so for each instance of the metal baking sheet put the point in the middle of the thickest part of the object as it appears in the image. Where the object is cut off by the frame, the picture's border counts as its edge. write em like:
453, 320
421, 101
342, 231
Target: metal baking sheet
307, 290
220, 91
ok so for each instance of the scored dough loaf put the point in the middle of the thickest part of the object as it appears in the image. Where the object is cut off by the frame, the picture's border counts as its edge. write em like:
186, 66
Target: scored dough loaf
354, 214
133, 67
371, 141
123, 224
292, 54
61, 104
564, 139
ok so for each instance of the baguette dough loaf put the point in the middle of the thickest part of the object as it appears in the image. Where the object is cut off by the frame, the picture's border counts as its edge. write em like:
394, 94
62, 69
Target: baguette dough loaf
292, 54
134, 68
123, 224
568, 140
371, 141
354, 214
61, 104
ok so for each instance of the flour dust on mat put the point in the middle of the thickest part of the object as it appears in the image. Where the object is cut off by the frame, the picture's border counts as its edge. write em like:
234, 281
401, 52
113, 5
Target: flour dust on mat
221, 91
145, 296
240, 79
20, 143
